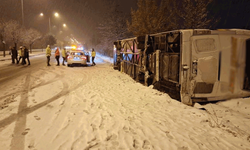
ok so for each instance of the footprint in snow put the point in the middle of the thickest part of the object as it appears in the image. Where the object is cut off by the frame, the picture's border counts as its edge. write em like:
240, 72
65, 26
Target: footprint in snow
24, 133
183, 148
126, 129
169, 135
146, 144
34, 101
93, 96
111, 137
136, 144
37, 118
93, 127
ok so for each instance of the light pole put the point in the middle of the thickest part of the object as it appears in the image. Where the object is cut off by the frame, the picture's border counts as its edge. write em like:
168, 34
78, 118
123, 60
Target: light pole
49, 26
22, 13
55, 14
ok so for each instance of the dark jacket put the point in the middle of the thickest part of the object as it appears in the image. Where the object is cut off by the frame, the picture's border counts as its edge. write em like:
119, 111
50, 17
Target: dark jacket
26, 53
13, 52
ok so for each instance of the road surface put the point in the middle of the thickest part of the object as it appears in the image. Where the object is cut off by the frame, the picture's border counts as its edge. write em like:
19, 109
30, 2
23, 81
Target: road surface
19, 81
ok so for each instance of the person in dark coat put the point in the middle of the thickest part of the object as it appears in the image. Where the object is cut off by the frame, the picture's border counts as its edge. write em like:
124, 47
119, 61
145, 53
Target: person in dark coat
26, 55
13, 54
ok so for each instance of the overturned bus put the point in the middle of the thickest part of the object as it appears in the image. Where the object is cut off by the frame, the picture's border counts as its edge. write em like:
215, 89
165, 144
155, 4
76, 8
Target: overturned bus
192, 65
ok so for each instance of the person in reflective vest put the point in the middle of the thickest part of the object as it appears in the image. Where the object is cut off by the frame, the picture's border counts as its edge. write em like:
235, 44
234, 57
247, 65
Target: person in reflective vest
64, 56
21, 55
93, 56
48, 54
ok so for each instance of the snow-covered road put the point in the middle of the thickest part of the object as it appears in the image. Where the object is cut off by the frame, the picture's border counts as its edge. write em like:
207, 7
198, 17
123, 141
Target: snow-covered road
91, 108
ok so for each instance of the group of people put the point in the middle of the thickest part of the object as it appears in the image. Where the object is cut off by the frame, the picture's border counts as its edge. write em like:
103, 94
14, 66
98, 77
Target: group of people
23, 53
64, 55
57, 55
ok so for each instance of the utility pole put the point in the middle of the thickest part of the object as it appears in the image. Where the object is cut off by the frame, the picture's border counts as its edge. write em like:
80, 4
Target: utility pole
22, 13
49, 26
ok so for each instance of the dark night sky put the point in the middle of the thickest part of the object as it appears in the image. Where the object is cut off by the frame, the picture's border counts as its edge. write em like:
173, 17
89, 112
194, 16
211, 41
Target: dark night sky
82, 16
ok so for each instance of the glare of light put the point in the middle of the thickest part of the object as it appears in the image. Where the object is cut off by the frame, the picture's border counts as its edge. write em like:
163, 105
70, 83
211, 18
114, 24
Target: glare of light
68, 47
80, 47
73, 47
56, 14
41, 14
64, 25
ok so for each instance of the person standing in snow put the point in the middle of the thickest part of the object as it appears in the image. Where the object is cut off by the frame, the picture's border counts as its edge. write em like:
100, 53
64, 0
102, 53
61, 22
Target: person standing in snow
13, 54
57, 56
26, 54
48, 54
21, 55
64, 56
93, 56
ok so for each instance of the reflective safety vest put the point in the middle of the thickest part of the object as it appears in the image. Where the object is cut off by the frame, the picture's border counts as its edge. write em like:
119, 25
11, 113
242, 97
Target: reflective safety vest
19, 52
48, 51
63, 53
93, 54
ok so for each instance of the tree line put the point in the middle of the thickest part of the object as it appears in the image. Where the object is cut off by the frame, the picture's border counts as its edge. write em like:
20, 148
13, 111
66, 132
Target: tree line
152, 16
12, 33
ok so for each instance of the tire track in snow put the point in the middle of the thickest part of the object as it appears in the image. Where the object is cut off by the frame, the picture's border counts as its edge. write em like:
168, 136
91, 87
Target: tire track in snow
64, 92
15, 94
65, 125
17, 142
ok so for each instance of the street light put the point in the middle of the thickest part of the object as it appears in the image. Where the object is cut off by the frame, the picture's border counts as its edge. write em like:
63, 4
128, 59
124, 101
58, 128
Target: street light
55, 14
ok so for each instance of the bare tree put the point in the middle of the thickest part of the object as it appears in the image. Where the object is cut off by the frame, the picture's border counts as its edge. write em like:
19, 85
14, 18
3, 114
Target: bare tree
113, 27
31, 36
169, 15
49, 39
152, 18
13, 32
2, 35
194, 14
168, 10
145, 19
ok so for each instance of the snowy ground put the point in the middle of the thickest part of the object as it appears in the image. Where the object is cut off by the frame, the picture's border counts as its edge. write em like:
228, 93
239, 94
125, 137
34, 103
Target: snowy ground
97, 107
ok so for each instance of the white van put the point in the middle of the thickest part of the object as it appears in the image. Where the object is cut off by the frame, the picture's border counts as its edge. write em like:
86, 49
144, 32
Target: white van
191, 65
